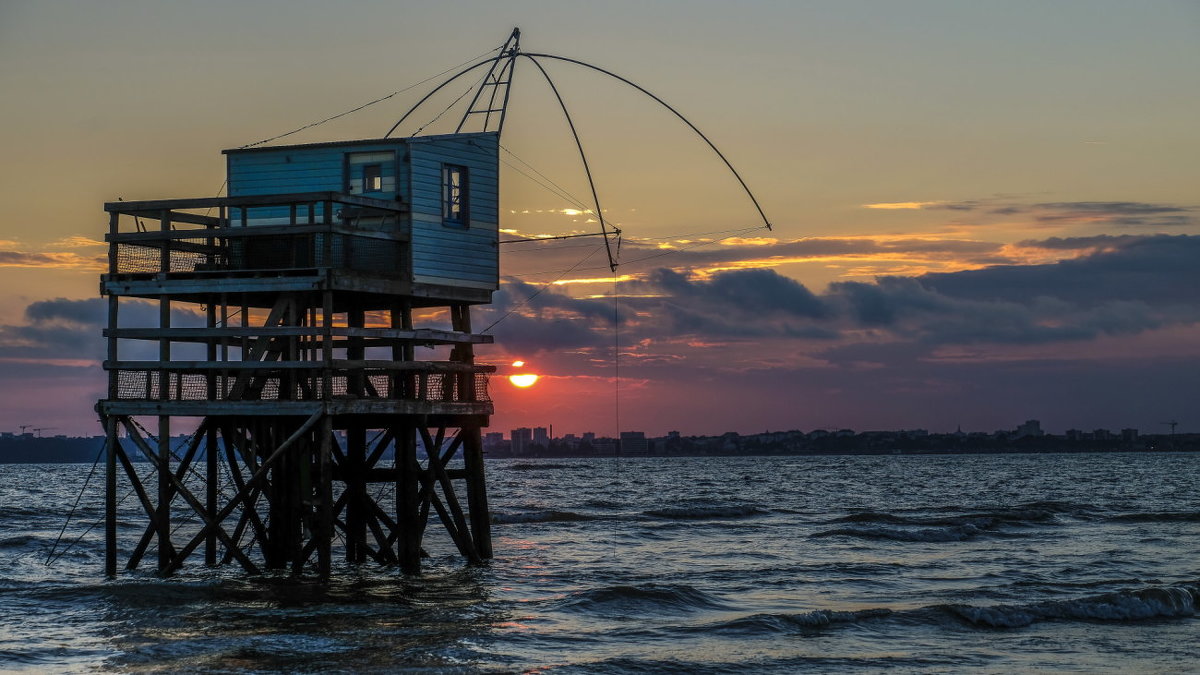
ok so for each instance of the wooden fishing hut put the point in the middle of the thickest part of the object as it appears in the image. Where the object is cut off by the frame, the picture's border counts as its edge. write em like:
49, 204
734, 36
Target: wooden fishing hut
285, 336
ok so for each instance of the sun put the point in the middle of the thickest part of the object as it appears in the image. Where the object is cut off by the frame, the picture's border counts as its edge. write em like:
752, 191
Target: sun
522, 380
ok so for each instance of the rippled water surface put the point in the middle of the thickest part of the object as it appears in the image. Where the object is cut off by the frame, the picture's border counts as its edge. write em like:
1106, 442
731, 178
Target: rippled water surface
944, 563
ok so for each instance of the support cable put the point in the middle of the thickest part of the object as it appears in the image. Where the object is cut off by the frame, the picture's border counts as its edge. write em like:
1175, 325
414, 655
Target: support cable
514, 39
556, 237
561, 195
381, 99
439, 88
648, 257
616, 356
50, 556
538, 292
447, 109
560, 189
612, 261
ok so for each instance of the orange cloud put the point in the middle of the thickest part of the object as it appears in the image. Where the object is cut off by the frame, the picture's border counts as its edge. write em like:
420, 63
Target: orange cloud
900, 205
64, 260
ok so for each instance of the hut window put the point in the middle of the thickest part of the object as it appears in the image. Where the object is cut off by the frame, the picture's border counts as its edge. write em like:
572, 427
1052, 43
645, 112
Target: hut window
372, 178
454, 195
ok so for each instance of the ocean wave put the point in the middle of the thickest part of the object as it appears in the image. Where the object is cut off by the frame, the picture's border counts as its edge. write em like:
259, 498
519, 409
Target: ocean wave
540, 517
1155, 602
706, 512
1145, 604
22, 541
603, 504
789, 623
982, 519
1162, 517
644, 598
924, 534
532, 466
12, 511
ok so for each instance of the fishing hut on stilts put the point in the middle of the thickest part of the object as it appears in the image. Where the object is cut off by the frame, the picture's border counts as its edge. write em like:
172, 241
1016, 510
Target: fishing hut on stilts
286, 335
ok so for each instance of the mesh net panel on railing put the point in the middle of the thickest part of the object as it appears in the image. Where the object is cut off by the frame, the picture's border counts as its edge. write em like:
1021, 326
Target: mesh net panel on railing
276, 252
305, 386
185, 255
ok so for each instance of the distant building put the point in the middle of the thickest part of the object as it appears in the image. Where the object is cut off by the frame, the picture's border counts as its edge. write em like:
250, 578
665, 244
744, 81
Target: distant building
1129, 435
541, 437
588, 437
634, 443
1031, 428
522, 441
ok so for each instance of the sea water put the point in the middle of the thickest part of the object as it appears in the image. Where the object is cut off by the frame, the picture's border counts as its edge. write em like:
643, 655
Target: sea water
950, 563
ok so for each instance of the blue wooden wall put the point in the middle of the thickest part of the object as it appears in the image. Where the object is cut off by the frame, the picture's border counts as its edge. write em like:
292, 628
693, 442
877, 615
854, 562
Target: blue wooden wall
446, 254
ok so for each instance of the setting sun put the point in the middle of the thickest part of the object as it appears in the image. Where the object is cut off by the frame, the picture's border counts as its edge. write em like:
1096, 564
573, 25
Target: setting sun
523, 380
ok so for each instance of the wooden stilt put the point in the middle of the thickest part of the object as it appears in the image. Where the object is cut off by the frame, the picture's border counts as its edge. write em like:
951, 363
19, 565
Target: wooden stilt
324, 535
477, 502
110, 497
408, 516
211, 485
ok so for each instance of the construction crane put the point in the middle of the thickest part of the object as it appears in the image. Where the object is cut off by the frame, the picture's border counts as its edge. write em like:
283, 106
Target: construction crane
1171, 424
39, 430
23, 427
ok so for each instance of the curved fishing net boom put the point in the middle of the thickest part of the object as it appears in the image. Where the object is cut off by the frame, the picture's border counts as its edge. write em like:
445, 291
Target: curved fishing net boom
508, 54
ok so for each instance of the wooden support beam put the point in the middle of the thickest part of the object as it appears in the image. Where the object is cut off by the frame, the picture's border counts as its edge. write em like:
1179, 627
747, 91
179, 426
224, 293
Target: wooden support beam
338, 364
225, 232
477, 502
324, 534
235, 444
463, 538
388, 337
258, 476
410, 528
153, 207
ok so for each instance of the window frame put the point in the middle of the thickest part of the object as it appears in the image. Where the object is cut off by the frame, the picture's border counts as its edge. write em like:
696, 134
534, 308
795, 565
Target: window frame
372, 172
456, 194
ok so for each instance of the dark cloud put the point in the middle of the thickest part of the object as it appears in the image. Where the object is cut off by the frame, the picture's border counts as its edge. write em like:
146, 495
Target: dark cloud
1158, 270
1100, 241
532, 335
551, 261
1123, 285
92, 312
73, 329
969, 205
1129, 214
756, 291
1142, 215
1113, 208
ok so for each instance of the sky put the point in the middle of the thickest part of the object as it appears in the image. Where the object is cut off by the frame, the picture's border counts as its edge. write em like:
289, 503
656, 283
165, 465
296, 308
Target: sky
982, 212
